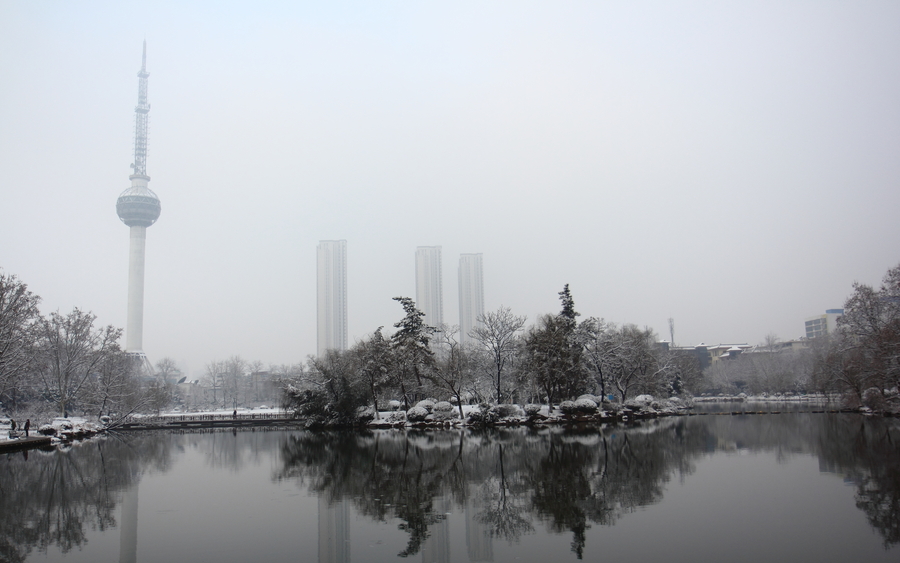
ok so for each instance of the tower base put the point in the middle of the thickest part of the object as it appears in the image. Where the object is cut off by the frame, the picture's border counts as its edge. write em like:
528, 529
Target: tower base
141, 363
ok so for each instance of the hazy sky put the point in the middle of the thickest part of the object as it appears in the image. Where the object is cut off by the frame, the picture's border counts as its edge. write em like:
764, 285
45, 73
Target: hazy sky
732, 165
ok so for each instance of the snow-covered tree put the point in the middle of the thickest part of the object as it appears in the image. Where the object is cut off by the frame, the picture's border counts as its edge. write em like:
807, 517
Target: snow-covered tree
555, 353
871, 326
496, 333
19, 318
411, 350
70, 351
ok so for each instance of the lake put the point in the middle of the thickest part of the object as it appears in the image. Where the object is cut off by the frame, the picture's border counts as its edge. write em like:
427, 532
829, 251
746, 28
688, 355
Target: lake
793, 486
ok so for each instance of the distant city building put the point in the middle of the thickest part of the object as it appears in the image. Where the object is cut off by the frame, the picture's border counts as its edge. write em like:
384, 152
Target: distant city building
708, 355
471, 294
331, 289
429, 284
823, 324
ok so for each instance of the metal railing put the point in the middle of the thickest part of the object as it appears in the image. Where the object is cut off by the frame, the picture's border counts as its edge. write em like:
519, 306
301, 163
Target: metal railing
207, 417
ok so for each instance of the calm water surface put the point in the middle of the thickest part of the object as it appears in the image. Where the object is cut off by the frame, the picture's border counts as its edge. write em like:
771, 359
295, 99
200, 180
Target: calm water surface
805, 487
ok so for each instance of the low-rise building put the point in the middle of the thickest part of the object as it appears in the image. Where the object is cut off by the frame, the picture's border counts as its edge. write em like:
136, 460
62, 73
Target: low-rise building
821, 325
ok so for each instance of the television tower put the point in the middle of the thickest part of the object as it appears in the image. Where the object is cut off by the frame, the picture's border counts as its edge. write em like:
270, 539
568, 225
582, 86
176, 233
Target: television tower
138, 207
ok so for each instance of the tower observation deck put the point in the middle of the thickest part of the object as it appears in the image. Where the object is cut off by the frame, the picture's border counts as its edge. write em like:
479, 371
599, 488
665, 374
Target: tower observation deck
138, 207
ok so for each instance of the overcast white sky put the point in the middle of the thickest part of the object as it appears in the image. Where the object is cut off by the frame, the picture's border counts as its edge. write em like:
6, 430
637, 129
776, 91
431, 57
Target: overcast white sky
732, 165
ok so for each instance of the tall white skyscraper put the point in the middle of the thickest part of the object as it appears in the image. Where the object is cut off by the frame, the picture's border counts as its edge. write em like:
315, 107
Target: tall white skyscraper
471, 294
429, 284
331, 288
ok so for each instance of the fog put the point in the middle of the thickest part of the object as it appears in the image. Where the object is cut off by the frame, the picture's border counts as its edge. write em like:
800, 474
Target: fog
733, 166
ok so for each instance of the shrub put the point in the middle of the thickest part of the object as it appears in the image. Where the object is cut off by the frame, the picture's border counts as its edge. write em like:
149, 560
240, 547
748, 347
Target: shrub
506, 411
442, 406
427, 404
482, 417
567, 407
873, 398
63, 424
396, 417
307, 403
416, 414
365, 415
532, 409
444, 415
585, 406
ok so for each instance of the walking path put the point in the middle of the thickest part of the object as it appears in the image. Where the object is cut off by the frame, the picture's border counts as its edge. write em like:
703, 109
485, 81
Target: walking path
24, 443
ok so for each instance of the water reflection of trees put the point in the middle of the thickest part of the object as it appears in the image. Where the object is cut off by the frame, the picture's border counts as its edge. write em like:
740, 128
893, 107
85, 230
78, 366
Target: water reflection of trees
507, 481
513, 478
867, 452
53, 498
570, 480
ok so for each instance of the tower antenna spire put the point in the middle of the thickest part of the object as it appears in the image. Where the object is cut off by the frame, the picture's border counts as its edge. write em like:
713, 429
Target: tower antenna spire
141, 119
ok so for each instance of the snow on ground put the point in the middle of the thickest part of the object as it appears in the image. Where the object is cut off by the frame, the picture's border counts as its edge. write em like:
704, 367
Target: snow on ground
73, 424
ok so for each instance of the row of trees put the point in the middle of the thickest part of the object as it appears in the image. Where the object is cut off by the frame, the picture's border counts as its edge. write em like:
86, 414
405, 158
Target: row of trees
61, 362
555, 359
238, 382
862, 359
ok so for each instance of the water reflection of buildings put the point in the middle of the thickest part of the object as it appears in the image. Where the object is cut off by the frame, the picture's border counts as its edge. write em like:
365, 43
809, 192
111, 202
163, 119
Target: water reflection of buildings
436, 548
478, 537
334, 531
334, 534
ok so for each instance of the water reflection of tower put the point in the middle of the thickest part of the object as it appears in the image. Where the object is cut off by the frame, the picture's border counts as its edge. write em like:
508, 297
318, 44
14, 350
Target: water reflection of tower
138, 207
128, 526
334, 531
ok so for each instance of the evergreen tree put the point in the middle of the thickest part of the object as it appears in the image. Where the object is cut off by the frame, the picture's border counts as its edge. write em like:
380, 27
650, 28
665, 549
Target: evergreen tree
412, 353
555, 353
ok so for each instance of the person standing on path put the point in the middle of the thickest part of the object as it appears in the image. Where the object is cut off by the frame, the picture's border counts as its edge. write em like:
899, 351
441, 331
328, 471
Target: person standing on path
27, 426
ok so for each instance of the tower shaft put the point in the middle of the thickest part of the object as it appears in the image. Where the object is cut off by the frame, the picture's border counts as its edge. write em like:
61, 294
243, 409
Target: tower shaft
134, 333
